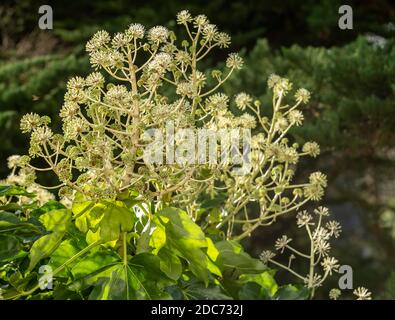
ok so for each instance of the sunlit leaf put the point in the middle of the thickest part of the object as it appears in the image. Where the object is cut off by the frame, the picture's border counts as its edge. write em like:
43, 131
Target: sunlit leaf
14, 191
117, 218
267, 285
56, 221
232, 256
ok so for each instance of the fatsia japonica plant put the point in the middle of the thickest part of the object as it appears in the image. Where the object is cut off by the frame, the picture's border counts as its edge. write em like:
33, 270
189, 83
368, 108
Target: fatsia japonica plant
126, 227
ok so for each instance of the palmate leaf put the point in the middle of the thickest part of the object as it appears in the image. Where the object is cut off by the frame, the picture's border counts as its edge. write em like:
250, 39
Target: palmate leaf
15, 191
292, 292
232, 258
93, 262
170, 264
263, 286
258, 286
10, 247
48, 206
193, 289
140, 278
64, 252
117, 218
103, 220
196, 292
177, 232
10, 223
57, 222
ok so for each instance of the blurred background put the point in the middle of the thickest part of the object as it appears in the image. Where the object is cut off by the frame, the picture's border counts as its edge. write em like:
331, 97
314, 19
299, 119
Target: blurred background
351, 74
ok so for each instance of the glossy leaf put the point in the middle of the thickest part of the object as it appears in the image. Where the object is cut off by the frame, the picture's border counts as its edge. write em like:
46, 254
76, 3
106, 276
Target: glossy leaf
14, 191
265, 280
170, 264
10, 223
64, 252
57, 222
292, 292
233, 258
187, 240
10, 247
141, 278
202, 293
93, 262
117, 218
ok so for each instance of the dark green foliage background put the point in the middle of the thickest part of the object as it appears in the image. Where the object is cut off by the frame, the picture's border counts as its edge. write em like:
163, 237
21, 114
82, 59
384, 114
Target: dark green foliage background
351, 114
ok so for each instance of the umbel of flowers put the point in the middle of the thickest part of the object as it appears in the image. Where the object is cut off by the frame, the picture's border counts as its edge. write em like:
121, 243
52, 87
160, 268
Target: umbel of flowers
142, 80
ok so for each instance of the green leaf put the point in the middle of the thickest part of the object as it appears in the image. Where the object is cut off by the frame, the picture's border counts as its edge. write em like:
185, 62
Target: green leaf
9, 222
49, 206
43, 248
143, 241
56, 221
251, 291
81, 205
108, 217
119, 285
149, 265
8, 219
194, 289
170, 264
10, 246
233, 258
64, 252
140, 279
158, 237
267, 285
15, 191
117, 218
292, 292
90, 220
212, 254
93, 262
92, 279
196, 292
81, 211
186, 239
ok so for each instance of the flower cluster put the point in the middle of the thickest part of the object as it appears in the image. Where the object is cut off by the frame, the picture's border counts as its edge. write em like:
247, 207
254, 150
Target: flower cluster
155, 78
319, 255
320, 264
24, 177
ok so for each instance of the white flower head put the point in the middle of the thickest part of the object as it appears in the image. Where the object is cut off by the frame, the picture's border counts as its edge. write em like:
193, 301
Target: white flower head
311, 148
158, 34
334, 294
184, 17
334, 228
302, 95
99, 39
281, 243
242, 100
136, 31
266, 255
303, 218
234, 61
362, 293
330, 264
